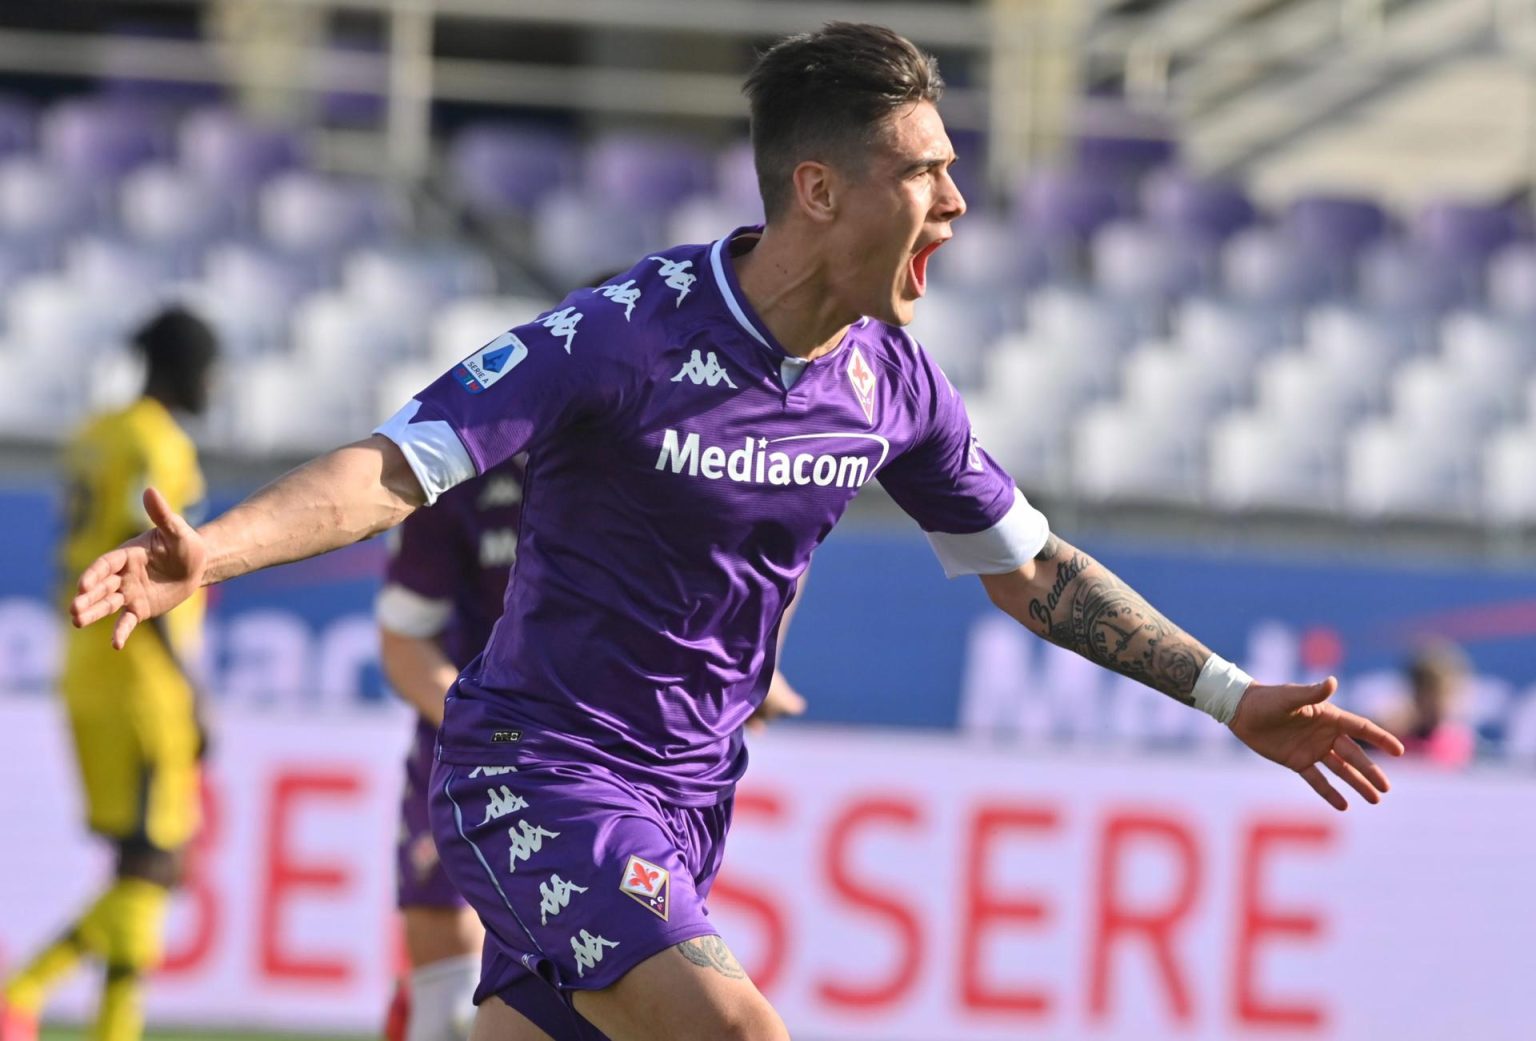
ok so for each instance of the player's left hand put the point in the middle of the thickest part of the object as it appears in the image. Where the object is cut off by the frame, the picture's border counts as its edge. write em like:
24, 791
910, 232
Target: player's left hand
781, 700
1295, 725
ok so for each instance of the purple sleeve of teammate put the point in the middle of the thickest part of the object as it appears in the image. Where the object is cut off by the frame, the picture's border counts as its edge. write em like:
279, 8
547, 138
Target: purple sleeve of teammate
427, 554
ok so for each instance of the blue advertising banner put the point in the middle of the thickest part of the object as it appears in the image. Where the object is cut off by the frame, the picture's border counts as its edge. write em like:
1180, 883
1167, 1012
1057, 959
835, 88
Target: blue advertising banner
881, 637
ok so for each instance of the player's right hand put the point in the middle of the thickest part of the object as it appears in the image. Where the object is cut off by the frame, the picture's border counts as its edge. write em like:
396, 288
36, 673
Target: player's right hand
144, 577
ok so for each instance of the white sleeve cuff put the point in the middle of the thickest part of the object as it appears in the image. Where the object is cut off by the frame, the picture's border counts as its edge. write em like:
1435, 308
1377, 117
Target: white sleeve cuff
436, 455
1010, 543
401, 611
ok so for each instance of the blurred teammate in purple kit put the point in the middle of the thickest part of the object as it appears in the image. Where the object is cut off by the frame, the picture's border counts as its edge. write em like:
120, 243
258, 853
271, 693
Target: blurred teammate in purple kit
694, 429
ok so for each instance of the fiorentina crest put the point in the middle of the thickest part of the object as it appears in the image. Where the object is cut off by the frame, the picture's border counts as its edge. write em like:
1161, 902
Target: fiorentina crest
647, 885
863, 379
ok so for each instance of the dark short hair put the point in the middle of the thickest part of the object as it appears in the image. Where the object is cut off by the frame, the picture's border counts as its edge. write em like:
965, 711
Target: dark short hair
175, 340
824, 95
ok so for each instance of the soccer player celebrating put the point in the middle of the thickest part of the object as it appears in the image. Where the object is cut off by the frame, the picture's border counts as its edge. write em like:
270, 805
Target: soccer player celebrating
442, 593
133, 715
694, 429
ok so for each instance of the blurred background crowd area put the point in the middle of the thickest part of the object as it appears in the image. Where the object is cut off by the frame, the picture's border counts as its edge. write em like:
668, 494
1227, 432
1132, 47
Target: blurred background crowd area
1244, 257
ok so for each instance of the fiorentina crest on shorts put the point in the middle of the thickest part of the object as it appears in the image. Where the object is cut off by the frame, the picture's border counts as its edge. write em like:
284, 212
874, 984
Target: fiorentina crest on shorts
863, 379
647, 884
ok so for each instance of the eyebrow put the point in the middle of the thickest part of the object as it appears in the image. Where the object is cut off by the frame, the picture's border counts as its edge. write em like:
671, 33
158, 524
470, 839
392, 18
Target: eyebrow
927, 162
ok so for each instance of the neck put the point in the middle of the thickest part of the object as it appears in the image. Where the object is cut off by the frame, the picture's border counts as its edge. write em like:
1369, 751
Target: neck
787, 282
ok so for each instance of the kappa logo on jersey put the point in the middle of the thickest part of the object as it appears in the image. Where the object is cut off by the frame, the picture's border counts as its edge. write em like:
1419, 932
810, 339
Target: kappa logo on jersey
526, 841
973, 456
702, 370
647, 884
492, 771
758, 462
626, 293
498, 547
589, 951
502, 803
490, 363
499, 491
563, 323
677, 276
555, 896
863, 379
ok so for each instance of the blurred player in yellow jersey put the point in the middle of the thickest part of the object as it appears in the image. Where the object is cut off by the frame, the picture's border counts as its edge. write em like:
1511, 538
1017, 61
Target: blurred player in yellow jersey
132, 712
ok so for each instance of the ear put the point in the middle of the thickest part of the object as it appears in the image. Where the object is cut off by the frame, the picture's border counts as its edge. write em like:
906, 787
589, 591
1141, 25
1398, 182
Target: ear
817, 191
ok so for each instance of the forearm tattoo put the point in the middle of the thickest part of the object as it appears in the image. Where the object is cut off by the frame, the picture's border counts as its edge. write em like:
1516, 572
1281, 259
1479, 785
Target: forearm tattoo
1087, 609
710, 952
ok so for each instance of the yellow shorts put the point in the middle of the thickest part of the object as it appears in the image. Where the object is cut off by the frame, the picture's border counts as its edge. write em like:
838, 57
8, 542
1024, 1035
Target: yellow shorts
139, 752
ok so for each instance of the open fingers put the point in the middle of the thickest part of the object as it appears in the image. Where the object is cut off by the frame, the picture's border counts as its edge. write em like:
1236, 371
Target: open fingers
1355, 756
125, 625
101, 601
1313, 776
1363, 729
109, 563
1351, 776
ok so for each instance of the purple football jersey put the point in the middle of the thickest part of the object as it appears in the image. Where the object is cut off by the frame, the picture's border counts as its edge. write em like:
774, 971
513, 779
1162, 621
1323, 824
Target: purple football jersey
682, 467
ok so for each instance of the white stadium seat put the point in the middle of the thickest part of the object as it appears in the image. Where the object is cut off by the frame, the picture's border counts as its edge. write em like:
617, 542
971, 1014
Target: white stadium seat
1259, 461
1120, 453
1392, 469
1509, 476
463, 326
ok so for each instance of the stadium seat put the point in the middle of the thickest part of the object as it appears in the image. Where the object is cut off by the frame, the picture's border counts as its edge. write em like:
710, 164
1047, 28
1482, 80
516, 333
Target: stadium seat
399, 384
645, 171
406, 285
1298, 389
508, 168
1398, 277
49, 317
1489, 349
957, 327
578, 237
171, 207
279, 406
1509, 478
1336, 224
337, 336
308, 213
18, 126
1511, 281
1078, 320
1356, 345
736, 179
1118, 452
100, 139
36, 206
1268, 266
1143, 265
224, 148
1259, 461
1403, 470
1195, 207
463, 326
704, 218
1223, 332
1462, 233
120, 278
1183, 389
1057, 202
1432, 393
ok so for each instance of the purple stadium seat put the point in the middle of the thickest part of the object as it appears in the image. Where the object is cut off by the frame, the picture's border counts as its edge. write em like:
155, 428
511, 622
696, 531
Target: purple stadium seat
1397, 277
1512, 281
98, 139
1194, 206
736, 178
989, 254
1268, 266
644, 170
507, 167
1066, 203
18, 126
1119, 142
1464, 232
170, 206
225, 148
1141, 264
308, 213
1336, 223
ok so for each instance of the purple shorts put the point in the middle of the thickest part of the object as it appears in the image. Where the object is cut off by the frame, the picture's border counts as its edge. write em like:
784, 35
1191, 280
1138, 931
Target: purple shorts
419, 877
578, 875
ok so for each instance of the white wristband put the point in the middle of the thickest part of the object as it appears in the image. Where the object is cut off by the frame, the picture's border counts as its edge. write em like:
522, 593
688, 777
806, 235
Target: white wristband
1219, 688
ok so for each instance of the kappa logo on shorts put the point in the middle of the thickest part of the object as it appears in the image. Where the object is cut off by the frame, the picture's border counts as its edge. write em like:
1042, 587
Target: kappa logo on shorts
589, 950
499, 804
492, 771
647, 884
555, 896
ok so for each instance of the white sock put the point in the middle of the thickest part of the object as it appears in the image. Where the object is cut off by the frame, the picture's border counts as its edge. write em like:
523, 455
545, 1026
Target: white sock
442, 999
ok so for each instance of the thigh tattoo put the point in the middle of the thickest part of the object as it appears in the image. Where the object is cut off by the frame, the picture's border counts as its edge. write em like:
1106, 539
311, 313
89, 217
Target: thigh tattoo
710, 952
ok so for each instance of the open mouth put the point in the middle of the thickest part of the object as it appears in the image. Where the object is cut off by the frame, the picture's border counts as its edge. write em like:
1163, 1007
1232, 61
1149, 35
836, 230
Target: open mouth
920, 264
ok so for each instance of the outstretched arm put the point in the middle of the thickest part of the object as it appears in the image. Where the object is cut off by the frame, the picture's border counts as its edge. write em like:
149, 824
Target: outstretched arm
1072, 600
335, 500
